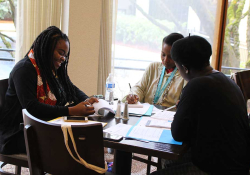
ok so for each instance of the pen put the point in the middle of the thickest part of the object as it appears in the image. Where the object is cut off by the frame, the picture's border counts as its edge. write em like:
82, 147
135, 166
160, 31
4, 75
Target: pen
170, 108
129, 86
130, 89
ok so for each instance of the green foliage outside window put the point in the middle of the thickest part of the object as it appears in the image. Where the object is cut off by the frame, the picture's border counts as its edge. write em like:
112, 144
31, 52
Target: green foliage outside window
140, 31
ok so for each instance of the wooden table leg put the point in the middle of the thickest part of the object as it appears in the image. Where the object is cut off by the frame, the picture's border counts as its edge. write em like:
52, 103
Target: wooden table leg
122, 162
148, 165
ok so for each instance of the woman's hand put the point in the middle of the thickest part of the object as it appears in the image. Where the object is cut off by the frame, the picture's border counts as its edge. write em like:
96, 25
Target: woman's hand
92, 100
82, 109
132, 98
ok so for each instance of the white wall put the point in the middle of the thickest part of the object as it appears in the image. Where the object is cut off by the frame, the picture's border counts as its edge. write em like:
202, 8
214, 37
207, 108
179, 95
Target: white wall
84, 35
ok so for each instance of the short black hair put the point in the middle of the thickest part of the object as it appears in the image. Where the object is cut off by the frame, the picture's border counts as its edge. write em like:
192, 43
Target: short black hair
192, 52
171, 38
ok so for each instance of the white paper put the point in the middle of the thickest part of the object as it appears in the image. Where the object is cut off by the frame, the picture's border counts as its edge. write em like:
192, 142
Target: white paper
146, 133
155, 110
101, 106
154, 123
160, 124
61, 121
164, 115
143, 121
119, 129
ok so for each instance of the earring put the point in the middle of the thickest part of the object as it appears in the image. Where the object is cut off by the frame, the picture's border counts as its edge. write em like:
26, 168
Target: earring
186, 70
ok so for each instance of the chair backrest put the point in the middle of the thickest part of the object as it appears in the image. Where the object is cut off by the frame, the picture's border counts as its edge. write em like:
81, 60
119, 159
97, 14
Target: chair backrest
242, 79
3, 90
47, 152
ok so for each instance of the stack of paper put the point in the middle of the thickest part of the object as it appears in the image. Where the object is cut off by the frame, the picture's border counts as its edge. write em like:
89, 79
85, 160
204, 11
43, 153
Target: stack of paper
164, 115
143, 133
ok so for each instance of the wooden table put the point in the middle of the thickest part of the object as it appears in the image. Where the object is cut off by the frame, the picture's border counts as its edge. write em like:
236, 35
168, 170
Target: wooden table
125, 148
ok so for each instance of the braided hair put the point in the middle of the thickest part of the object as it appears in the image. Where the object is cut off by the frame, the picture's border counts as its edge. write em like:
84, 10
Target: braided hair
43, 48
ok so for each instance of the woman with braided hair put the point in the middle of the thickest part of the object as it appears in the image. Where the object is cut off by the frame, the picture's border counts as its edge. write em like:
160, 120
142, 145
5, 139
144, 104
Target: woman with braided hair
40, 84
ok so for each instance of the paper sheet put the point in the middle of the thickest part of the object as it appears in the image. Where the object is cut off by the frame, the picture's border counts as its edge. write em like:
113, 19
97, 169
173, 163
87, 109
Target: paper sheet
119, 129
152, 134
164, 115
101, 106
154, 123
145, 133
159, 124
60, 121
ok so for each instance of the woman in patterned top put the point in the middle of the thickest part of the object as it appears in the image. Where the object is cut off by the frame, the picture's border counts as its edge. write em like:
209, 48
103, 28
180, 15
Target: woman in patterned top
40, 84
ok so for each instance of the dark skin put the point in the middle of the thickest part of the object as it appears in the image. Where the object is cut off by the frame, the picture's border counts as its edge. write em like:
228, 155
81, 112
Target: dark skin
60, 55
166, 57
190, 73
166, 61
132, 98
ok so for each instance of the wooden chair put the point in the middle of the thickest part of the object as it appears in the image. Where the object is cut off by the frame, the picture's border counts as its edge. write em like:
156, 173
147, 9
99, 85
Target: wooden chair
47, 152
19, 160
242, 79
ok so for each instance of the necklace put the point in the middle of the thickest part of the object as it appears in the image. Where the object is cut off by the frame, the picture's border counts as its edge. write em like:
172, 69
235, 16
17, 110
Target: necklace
160, 90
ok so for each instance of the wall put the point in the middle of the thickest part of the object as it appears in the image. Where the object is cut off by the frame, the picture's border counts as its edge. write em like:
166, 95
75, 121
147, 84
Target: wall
84, 35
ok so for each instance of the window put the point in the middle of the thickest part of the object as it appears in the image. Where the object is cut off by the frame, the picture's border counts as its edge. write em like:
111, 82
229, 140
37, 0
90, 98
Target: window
236, 55
141, 26
7, 36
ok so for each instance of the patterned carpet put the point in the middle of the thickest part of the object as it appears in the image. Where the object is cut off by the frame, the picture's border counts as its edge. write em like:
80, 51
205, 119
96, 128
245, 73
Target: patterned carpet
138, 168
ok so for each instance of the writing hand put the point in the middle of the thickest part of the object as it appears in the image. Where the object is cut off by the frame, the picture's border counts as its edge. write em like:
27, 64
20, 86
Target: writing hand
132, 98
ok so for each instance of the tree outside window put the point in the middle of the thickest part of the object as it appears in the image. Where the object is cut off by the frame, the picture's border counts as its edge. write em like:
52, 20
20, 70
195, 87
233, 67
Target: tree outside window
7, 36
236, 51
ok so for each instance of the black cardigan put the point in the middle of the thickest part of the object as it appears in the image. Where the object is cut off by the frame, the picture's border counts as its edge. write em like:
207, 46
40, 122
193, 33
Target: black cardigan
22, 93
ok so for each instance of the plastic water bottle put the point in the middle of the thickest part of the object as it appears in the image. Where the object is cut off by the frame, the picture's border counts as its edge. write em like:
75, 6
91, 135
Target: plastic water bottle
110, 86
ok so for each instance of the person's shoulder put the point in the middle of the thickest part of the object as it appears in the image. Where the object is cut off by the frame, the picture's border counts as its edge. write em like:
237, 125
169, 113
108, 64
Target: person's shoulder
155, 66
210, 79
23, 65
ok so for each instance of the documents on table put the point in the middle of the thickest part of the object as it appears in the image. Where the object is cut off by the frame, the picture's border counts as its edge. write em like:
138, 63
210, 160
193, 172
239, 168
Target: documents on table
60, 121
119, 129
164, 115
159, 123
143, 133
152, 122
152, 134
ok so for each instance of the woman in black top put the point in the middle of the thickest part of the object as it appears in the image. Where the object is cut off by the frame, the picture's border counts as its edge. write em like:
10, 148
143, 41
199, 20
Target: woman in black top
40, 83
211, 114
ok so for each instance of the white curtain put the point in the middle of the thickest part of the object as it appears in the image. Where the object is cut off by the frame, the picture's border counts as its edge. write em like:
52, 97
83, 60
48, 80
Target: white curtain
34, 16
107, 38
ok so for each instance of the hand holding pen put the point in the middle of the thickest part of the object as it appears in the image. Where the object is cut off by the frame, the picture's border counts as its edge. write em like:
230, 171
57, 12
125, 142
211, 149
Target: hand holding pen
132, 98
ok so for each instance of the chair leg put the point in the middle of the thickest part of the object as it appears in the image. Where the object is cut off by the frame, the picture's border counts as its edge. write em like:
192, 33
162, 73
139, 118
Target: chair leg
148, 166
18, 170
159, 167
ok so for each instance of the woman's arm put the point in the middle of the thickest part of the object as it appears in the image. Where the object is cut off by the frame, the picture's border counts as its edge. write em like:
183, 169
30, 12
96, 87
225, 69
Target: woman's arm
182, 126
81, 96
25, 83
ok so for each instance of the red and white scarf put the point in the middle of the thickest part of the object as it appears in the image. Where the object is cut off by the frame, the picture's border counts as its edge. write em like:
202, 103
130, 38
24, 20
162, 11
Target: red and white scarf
41, 96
